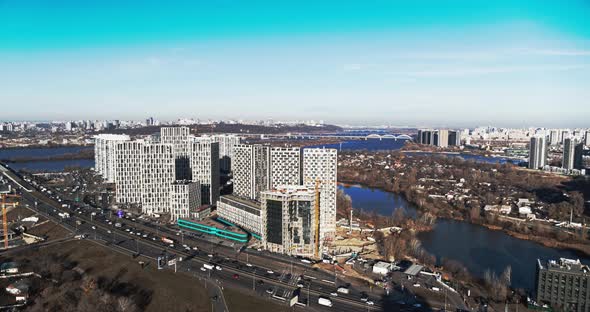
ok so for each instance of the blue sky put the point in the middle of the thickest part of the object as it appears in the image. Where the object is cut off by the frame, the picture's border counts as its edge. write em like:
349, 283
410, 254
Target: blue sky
438, 63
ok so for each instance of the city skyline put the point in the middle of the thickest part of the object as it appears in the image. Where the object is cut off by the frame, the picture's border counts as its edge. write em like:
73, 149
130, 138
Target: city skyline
507, 64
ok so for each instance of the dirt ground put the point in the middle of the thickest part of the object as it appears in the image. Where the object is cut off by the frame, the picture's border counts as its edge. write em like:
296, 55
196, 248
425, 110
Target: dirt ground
238, 301
169, 291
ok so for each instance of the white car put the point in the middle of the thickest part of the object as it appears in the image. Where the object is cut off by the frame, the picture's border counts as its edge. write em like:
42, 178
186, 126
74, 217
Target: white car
248, 265
370, 303
203, 269
218, 268
210, 255
334, 294
270, 272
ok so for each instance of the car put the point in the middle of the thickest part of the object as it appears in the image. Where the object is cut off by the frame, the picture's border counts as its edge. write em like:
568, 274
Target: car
218, 268
203, 269
94, 227
370, 303
138, 234
270, 272
144, 235
195, 248
269, 291
132, 233
109, 231
127, 230
210, 255
334, 294
248, 265
187, 248
153, 238
171, 245
236, 276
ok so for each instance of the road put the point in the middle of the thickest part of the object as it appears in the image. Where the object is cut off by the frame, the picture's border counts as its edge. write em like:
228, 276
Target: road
267, 275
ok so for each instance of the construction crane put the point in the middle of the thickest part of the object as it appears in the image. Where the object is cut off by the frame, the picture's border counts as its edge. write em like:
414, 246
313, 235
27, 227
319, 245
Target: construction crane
317, 183
4, 217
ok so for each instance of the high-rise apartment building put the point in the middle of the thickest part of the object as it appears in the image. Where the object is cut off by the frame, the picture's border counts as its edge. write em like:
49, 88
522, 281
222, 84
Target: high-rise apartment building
129, 168
564, 285
157, 175
587, 139
251, 170
179, 138
572, 154
204, 165
185, 199
554, 137
287, 215
537, 152
320, 168
227, 142
104, 154
454, 138
443, 138
285, 166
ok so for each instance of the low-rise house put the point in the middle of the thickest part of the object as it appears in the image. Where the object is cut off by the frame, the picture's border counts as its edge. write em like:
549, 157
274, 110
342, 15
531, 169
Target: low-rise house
382, 268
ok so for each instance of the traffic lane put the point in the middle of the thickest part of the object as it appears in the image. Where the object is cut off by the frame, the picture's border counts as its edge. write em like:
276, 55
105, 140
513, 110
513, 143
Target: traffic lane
144, 247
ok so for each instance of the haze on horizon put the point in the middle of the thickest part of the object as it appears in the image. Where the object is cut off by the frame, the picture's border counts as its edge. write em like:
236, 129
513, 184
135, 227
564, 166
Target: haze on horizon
464, 63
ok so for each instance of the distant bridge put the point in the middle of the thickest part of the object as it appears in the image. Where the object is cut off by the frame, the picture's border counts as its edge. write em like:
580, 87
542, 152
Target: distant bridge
388, 136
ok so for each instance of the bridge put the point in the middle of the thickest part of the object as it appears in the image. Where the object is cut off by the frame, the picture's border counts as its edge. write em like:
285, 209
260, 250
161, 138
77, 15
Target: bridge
388, 136
338, 136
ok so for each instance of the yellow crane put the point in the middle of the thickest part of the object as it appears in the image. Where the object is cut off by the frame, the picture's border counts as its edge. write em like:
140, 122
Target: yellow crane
4, 217
317, 183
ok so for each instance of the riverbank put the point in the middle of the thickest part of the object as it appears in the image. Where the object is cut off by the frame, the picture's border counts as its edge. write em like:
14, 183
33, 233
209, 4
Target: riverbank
582, 249
82, 154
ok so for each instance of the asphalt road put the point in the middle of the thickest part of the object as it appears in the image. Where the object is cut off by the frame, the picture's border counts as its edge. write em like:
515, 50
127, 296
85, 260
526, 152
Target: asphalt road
268, 275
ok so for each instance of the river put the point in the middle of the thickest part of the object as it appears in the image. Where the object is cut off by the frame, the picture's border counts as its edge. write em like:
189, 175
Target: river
43, 165
391, 144
476, 247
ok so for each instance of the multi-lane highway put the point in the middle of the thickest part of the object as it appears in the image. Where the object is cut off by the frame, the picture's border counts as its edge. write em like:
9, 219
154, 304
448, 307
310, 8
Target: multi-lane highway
272, 276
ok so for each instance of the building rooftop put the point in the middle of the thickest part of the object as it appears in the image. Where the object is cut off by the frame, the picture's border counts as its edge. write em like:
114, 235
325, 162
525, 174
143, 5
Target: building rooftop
565, 265
291, 190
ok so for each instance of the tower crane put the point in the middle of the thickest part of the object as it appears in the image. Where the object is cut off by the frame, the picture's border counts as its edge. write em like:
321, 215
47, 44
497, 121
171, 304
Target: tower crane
4, 217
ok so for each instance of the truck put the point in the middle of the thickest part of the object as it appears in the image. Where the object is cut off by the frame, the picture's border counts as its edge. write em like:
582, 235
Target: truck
167, 240
208, 266
343, 290
325, 302
64, 215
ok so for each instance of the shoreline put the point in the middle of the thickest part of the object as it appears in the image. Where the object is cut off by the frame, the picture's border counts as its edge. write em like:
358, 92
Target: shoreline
579, 249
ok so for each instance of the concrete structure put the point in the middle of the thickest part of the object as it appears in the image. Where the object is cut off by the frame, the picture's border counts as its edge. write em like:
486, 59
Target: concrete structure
178, 138
104, 154
128, 165
287, 215
157, 174
443, 138
241, 212
251, 170
382, 268
204, 164
537, 152
320, 168
454, 138
227, 142
285, 166
554, 137
572, 154
185, 199
563, 285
